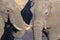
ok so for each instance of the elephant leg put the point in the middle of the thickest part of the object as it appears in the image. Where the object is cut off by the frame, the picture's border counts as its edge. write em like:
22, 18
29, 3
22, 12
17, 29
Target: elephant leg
54, 32
1, 27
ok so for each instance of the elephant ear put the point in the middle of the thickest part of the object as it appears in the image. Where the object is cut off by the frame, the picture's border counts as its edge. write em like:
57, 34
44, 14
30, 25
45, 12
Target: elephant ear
17, 20
1, 26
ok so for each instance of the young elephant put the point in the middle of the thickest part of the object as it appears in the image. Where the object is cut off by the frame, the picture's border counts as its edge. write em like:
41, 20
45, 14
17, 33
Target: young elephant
9, 8
53, 21
46, 13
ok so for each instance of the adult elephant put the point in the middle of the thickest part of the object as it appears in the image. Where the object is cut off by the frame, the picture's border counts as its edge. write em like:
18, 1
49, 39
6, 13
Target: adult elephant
46, 14
9, 9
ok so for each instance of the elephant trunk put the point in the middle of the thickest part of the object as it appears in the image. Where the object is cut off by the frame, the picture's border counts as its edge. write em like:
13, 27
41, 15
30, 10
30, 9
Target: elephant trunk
17, 21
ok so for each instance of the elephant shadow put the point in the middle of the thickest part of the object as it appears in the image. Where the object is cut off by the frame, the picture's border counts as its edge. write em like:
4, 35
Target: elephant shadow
8, 29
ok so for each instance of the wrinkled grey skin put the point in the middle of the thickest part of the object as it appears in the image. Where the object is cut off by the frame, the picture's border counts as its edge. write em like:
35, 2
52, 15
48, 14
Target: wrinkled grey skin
9, 8
46, 13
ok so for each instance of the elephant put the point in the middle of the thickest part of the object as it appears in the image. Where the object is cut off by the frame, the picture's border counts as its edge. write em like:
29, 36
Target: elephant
24, 6
10, 9
46, 14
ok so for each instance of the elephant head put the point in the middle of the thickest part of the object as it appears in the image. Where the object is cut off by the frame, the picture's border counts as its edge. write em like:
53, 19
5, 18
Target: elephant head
9, 8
